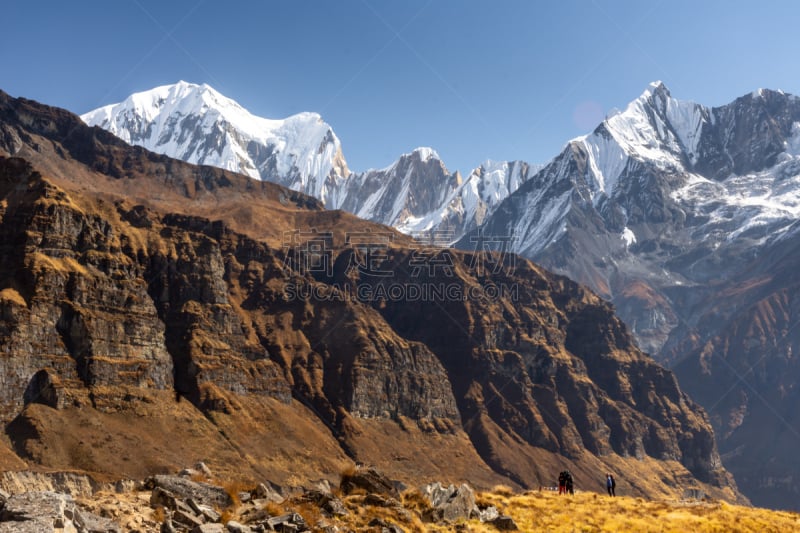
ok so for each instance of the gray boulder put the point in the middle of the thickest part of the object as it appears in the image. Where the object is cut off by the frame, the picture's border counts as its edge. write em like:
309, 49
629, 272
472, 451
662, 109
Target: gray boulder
269, 493
504, 523
327, 502
286, 522
86, 522
202, 493
236, 527
35, 512
369, 480
449, 503
488, 514
210, 528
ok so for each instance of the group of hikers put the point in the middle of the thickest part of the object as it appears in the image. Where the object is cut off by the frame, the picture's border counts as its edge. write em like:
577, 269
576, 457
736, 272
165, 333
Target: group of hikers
566, 483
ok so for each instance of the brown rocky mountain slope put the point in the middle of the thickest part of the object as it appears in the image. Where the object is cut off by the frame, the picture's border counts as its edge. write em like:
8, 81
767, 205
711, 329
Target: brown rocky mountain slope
155, 313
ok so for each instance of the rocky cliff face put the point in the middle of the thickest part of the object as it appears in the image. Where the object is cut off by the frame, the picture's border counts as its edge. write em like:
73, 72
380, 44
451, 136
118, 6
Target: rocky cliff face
72, 302
537, 362
147, 312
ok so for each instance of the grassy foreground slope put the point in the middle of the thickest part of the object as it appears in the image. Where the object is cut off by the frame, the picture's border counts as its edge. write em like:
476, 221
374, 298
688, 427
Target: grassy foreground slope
592, 512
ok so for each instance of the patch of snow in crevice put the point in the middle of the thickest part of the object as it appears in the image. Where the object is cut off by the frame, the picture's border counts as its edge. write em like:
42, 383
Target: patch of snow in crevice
607, 160
687, 120
540, 224
793, 142
628, 237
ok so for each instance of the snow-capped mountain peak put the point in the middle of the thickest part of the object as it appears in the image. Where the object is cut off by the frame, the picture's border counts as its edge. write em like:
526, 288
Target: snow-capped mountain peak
183, 98
421, 153
655, 127
425, 153
199, 125
657, 122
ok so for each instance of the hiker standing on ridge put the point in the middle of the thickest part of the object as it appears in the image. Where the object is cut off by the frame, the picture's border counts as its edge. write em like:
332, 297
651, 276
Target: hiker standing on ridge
570, 488
562, 483
611, 485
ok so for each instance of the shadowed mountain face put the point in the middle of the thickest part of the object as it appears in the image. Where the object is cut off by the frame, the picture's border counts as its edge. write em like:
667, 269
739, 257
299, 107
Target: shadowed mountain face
153, 313
744, 368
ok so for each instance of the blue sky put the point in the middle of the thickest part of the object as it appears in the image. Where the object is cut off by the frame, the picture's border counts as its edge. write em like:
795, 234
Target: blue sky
475, 80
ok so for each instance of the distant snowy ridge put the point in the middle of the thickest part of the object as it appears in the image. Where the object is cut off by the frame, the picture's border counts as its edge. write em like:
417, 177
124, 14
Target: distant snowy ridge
415, 194
475, 198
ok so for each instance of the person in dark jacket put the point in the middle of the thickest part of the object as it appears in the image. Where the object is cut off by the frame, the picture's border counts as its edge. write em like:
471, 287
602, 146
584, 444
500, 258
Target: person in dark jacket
611, 485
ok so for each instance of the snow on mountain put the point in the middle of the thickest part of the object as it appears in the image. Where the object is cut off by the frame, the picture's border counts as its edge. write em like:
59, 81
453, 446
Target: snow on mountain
663, 135
660, 198
197, 124
658, 128
414, 185
468, 203
417, 193
655, 128
792, 144
769, 199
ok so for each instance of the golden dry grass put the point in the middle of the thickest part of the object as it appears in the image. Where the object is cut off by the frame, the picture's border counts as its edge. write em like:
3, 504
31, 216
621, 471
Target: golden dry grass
347, 472
159, 514
63, 264
11, 295
584, 512
503, 490
592, 512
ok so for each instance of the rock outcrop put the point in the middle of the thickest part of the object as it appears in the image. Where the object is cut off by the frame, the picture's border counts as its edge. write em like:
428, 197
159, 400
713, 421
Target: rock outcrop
177, 504
46, 512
